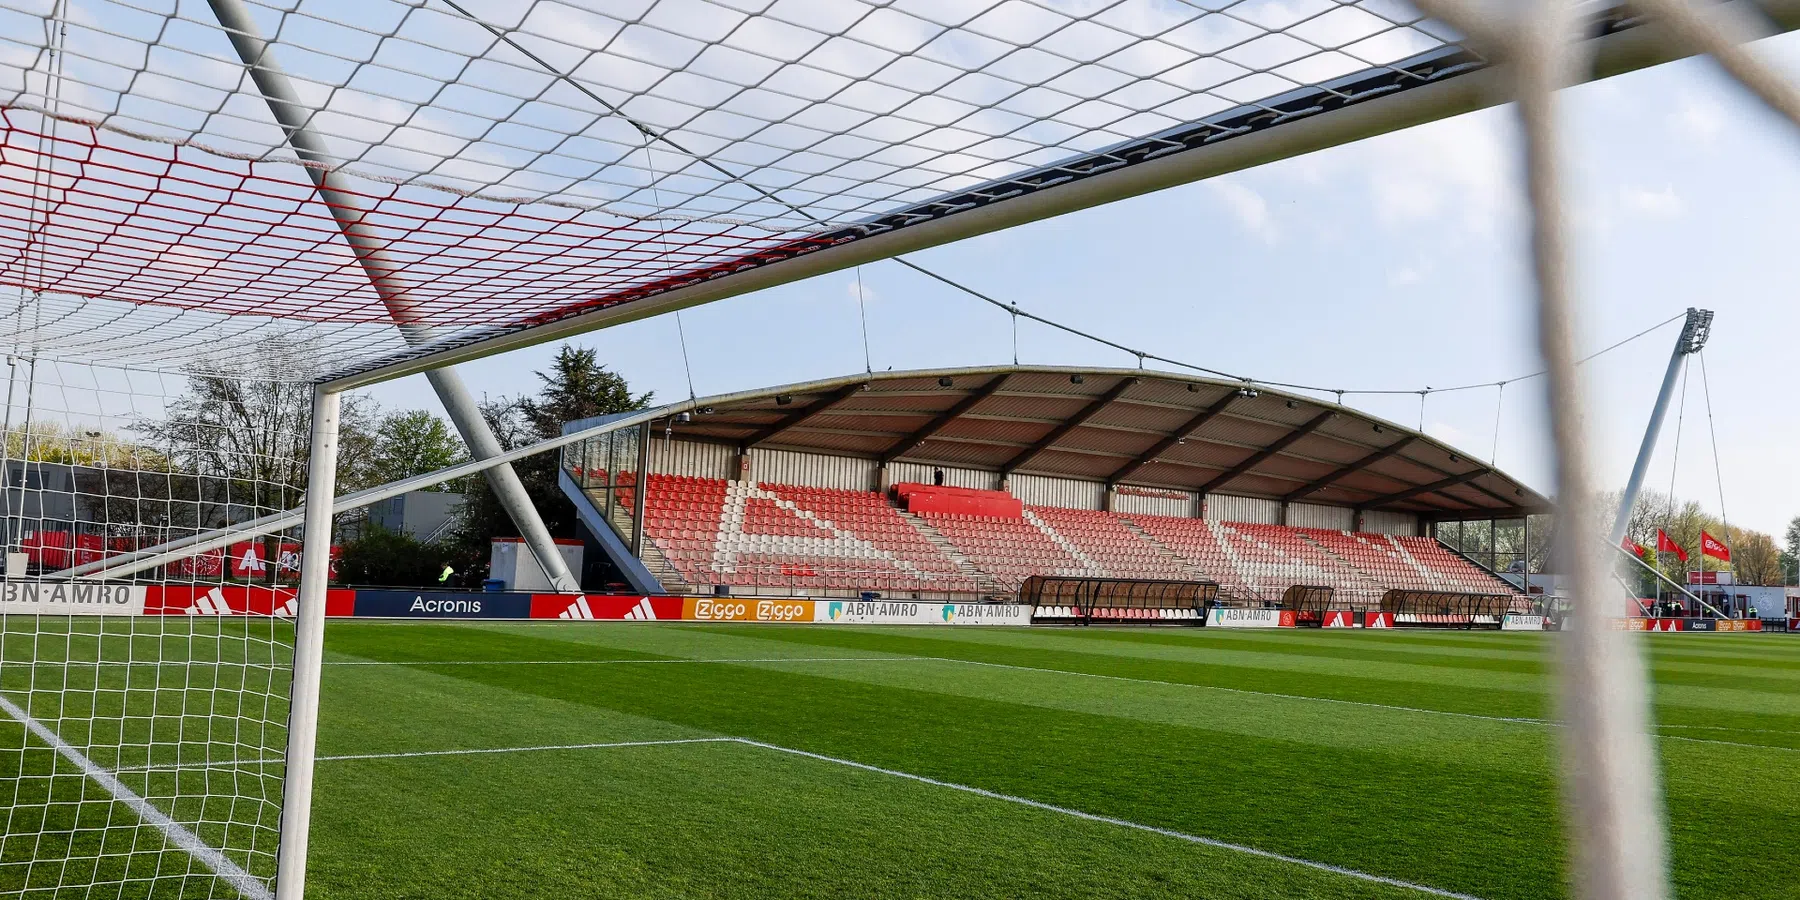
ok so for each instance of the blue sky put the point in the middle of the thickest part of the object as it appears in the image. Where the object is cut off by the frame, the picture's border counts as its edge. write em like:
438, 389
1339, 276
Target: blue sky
1392, 263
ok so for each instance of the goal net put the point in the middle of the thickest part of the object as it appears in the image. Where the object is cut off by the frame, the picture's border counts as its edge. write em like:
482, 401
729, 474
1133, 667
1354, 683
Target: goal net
207, 206
144, 715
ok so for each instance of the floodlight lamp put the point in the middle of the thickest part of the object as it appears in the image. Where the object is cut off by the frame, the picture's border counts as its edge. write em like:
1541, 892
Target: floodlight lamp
783, 399
946, 382
1076, 378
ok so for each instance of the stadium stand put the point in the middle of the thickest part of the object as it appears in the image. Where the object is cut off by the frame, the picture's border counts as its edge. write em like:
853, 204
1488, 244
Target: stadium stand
991, 475
746, 534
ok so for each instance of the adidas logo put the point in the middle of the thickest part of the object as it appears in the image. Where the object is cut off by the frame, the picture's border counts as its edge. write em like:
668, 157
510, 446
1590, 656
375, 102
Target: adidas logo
287, 610
577, 610
211, 603
642, 611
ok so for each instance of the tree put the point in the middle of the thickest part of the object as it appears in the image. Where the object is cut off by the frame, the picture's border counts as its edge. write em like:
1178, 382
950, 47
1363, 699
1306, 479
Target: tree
1790, 558
237, 441
1754, 558
575, 387
405, 444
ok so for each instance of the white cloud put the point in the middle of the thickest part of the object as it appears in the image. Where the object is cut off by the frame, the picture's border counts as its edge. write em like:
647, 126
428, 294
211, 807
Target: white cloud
1462, 168
1247, 206
1406, 275
1697, 120
1663, 204
863, 291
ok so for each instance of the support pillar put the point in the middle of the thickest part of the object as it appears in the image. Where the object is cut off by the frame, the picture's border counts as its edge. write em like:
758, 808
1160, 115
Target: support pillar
388, 278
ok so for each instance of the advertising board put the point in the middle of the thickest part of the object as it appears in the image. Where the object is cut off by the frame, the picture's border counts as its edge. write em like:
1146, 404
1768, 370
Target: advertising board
746, 609
1521, 622
442, 605
606, 607
918, 612
64, 598
1227, 617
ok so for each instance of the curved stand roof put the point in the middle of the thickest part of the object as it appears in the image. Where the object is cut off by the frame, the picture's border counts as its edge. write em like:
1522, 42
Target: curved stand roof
1122, 427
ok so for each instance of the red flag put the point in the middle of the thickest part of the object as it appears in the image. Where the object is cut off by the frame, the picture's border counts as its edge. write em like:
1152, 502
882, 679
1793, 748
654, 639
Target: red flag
1666, 544
1632, 547
1710, 546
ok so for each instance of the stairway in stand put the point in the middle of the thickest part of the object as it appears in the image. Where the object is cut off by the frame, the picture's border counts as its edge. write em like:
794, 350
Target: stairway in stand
1163, 550
665, 572
988, 584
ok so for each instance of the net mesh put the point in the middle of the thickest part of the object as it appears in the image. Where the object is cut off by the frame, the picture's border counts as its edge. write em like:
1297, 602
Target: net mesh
525, 161
143, 720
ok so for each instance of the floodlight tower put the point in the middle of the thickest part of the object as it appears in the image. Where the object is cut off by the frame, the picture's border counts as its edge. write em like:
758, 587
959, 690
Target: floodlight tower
1694, 333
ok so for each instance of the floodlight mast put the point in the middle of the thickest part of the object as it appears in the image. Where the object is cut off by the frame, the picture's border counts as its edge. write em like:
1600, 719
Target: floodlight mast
388, 279
1694, 333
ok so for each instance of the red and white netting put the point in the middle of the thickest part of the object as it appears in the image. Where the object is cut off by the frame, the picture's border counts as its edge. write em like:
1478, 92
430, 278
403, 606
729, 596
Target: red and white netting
522, 161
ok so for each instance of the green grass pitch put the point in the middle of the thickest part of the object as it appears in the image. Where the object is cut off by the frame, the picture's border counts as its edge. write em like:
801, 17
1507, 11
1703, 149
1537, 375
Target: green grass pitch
990, 762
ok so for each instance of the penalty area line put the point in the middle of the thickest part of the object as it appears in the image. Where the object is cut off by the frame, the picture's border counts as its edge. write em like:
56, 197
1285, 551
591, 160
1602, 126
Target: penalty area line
1122, 823
951, 785
246, 884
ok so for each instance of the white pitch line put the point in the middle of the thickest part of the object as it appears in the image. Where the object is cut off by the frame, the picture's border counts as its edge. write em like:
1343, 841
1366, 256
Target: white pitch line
413, 754
622, 662
967, 789
1122, 823
200, 766
245, 883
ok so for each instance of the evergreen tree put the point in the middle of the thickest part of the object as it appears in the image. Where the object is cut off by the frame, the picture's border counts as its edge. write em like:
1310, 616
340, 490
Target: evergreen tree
576, 386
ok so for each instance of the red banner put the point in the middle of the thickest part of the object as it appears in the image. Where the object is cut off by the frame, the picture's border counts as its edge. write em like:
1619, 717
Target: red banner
1339, 618
1378, 620
1710, 546
237, 600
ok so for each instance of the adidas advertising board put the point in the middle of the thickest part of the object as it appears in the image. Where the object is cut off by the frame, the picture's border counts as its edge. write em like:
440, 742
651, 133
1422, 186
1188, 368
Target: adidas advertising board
1340, 618
918, 612
605, 607
1518, 622
64, 598
1226, 617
